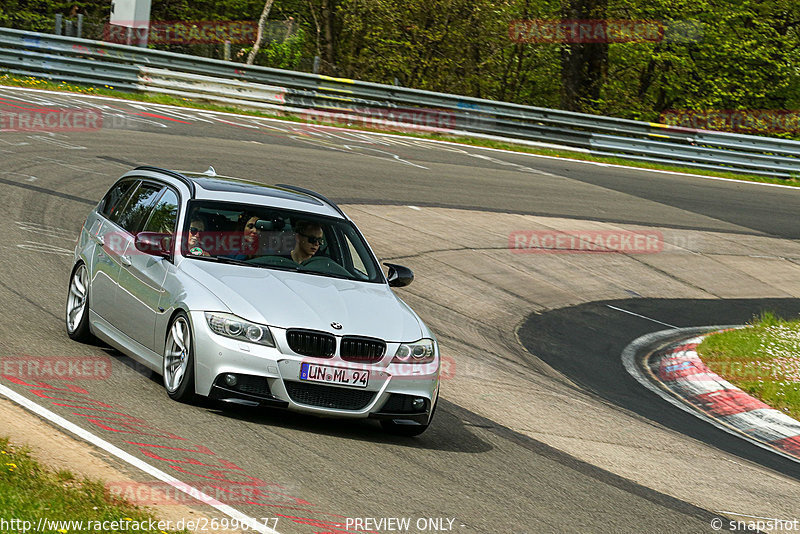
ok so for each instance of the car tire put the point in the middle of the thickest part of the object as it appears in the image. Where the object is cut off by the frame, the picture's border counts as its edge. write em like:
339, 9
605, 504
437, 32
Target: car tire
77, 308
178, 364
408, 430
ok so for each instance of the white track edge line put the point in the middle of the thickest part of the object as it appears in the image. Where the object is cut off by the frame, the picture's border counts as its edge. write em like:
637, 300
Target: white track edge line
629, 361
642, 316
135, 462
451, 143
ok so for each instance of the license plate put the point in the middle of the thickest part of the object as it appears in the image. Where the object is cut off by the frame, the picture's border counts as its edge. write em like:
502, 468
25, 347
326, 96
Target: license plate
334, 375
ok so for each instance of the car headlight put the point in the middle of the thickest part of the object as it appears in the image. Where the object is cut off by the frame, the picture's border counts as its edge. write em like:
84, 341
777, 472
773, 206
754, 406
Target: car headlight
229, 325
421, 351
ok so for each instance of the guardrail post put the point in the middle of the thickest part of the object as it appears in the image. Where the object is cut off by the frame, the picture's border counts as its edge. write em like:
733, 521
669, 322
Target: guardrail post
58, 23
68, 28
80, 26
315, 69
227, 50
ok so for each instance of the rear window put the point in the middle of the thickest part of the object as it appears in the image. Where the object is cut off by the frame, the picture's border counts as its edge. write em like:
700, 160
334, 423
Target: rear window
132, 215
114, 196
165, 215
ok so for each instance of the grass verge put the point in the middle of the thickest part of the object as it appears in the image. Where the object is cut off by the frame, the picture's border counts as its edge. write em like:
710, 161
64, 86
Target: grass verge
38, 83
762, 360
30, 492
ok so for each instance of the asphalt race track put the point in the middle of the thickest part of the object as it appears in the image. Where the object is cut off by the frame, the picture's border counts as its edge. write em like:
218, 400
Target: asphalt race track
540, 429
593, 361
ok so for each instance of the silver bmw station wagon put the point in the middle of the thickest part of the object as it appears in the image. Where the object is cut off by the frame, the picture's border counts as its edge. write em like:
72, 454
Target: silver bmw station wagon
254, 295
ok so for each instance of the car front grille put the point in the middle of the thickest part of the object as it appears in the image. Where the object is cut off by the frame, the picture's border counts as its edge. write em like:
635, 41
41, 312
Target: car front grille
328, 396
362, 349
311, 343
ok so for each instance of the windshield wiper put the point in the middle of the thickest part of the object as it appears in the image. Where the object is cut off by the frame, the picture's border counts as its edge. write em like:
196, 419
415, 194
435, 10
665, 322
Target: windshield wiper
322, 273
298, 269
279, 267
223, 259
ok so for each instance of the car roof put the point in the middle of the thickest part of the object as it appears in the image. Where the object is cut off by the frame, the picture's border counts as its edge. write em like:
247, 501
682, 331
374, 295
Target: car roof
211, 186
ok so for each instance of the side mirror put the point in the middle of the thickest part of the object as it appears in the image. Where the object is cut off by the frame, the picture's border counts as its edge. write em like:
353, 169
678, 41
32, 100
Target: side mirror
399, 276
153, 243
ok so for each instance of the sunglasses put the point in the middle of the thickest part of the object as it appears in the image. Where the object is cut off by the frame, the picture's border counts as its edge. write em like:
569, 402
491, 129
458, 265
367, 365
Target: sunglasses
194, 230
314, 240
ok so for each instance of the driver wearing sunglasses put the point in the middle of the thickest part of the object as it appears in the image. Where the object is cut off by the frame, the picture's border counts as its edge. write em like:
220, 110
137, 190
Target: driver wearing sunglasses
308, 240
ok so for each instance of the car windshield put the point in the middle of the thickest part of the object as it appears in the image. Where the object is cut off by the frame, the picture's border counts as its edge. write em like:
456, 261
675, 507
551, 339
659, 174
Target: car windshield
278, 239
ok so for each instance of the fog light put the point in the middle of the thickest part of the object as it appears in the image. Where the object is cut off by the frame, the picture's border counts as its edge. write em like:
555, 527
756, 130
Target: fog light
418, 403
230, 380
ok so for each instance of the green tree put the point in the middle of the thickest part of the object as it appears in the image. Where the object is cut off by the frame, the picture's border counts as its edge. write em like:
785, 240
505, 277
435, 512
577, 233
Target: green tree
714, 55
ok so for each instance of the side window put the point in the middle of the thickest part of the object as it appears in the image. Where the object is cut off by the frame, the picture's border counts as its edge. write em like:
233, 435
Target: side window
114, 196
358, 263
165, 214
132, 215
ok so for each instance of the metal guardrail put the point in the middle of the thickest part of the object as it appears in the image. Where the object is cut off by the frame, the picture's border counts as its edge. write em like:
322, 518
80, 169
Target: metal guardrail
209, 87
138, 69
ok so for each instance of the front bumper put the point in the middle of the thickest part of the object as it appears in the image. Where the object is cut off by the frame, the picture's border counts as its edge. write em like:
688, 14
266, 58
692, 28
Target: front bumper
269, 377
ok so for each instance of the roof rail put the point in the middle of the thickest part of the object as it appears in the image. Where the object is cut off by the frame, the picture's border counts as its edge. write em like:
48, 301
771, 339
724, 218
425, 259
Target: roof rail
313, 194
179, 176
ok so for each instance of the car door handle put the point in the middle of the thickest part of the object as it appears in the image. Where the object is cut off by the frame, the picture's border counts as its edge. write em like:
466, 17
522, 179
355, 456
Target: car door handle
125, 260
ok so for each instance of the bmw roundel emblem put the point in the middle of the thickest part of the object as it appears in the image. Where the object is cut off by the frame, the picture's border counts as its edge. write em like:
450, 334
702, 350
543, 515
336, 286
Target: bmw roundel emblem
337, 326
